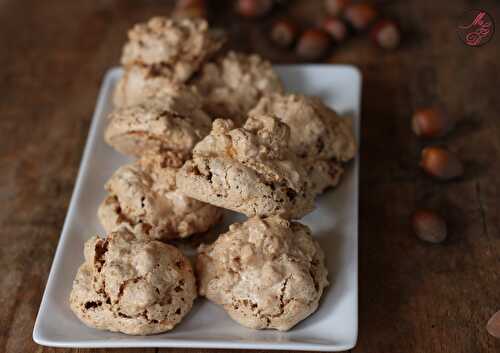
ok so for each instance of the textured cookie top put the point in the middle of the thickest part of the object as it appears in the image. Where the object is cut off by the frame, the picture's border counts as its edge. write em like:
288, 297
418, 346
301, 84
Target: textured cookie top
167, 123
132, 286
176, 46
143, 196
263, 147
267, 273
316, 131
234, 83
248, 170
140, 83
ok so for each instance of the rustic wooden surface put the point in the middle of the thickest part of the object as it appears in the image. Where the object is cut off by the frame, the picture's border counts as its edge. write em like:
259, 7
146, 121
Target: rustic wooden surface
414, 297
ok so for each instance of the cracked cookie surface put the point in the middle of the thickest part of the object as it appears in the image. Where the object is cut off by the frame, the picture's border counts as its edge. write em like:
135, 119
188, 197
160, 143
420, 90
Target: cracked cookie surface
140, 82
266, 273
248, 170
143, 196
318, 135
176, 47
166, 123
234, 83
131, 286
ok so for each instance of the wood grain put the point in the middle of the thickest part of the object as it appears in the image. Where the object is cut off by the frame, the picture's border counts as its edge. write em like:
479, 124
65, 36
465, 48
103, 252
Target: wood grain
414, 297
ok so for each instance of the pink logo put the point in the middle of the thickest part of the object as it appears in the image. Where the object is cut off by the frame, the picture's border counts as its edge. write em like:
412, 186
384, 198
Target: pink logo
476, 28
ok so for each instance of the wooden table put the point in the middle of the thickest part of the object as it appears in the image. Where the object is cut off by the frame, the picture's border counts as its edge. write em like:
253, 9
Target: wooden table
414, 297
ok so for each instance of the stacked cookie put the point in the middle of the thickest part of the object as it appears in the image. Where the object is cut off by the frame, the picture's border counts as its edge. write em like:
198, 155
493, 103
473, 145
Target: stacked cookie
209, 131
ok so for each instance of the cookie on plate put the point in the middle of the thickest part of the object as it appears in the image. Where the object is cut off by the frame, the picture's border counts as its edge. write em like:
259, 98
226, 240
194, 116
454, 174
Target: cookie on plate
166, 123
265, 272
139, 83
132, 286
143, 196
317, 133
175, 47
234, 83
248, 170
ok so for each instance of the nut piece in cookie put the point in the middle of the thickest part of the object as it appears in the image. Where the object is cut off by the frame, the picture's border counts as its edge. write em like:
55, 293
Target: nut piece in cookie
323, 174
166, 123
318, 135
143, 196
140, 83
176, 47
132, 286
266, 273
248, 170
233, 84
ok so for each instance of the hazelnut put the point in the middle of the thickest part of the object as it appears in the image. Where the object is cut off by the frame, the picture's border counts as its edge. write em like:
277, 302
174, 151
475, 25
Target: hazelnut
182, 4
335, 7
386, 34
253, 8
441, 163
360, 16
429, 226
493, 325
283, 33
190, 9
335, 28
431, 122
312, 44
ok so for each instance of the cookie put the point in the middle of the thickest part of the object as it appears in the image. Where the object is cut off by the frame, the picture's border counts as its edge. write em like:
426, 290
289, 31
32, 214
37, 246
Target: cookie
233, 84
316, 131
323, 174
143, 196
265, 272
248, 170
318, 136
166, 123
132, 286
176, 47
140, 83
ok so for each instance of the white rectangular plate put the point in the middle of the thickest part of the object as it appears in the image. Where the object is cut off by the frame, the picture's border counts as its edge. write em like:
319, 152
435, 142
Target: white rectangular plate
334, 224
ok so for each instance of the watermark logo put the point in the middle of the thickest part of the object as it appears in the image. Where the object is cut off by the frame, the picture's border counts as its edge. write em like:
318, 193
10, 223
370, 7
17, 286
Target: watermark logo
476, 28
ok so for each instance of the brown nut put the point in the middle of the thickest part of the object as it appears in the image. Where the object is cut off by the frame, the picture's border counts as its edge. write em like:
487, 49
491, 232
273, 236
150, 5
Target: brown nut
429, 226
360, 16
190, 9
493, 325
312, 44
441, 163
335, 28
386, 34
432, 122
254, 8
335, 7
283, 33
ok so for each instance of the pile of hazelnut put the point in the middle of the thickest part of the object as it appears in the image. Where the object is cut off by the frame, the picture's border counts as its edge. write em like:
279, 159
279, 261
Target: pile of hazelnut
442, 164
439, 163
344, 17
